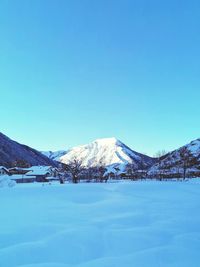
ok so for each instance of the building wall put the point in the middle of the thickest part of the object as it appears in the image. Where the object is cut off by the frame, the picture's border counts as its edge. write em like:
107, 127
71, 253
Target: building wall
19, 181
3, 172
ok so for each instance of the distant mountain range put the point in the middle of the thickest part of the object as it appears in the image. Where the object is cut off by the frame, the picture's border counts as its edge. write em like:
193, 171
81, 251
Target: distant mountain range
107, 152
12, 153
112, 152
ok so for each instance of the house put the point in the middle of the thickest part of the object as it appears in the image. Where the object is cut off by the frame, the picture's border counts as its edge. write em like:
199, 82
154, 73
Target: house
18, 170
33, 174
4, 171
18, 178
43, 173
113, 172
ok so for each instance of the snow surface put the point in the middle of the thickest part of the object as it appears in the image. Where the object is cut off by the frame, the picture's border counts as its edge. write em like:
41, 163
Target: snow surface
6, 181
141, 224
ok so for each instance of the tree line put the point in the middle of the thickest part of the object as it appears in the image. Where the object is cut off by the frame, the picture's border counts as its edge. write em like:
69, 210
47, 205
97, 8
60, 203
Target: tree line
132, 171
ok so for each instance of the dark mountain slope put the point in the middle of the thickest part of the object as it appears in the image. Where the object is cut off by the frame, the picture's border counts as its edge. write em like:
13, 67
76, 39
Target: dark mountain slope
11, 151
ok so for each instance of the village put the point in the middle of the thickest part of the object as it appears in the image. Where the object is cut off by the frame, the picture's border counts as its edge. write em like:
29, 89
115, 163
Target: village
72, 172
32, 174
75, 173
47, 174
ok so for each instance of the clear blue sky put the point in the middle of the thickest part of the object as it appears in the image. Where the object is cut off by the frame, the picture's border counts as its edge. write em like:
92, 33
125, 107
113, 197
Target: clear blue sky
72, 71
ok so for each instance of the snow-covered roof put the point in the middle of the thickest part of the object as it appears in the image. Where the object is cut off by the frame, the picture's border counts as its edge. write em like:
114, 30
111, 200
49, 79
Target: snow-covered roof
39, 170
4, 168
115, 169
18, 169
52, 178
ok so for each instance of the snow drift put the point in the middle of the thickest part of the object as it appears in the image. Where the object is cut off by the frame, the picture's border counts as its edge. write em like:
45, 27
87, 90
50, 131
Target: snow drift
142, 224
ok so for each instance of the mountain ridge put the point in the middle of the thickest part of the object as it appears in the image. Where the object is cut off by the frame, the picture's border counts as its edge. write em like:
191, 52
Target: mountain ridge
106, 151
12, 151
173, 162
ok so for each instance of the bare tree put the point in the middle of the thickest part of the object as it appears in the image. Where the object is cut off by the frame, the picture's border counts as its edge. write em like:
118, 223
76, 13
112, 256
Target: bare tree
130, 170
89, 174
99, 172
185, 159
20, 163
61, 178
75, 168
160, 156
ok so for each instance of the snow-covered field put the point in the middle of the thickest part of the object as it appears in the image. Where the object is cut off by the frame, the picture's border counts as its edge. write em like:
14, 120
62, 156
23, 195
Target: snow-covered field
138, 224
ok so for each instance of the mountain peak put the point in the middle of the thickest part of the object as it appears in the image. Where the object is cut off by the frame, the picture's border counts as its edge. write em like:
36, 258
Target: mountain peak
107, 141
106, 152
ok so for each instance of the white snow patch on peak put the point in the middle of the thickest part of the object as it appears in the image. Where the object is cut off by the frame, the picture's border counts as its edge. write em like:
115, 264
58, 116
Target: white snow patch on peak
107, 141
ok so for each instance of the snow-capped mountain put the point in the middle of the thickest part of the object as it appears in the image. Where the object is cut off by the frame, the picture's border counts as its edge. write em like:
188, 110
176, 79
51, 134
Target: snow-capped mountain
54, 155
11, 152
106, 152
173, 163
